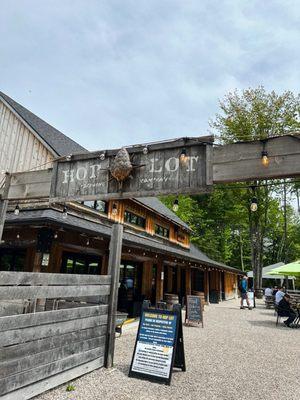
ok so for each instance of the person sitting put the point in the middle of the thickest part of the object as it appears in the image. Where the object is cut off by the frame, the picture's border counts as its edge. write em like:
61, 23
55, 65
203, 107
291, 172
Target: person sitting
275, 290
285, 310
279, 295
268, 292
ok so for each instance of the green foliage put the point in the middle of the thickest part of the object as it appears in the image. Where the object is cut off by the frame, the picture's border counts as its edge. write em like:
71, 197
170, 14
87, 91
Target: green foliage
222, 223
70, 388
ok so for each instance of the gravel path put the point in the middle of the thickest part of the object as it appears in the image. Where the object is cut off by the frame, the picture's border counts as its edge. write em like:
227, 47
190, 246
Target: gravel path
239, 354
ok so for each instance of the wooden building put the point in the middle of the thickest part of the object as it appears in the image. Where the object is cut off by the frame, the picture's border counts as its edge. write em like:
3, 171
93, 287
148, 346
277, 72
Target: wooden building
157, 256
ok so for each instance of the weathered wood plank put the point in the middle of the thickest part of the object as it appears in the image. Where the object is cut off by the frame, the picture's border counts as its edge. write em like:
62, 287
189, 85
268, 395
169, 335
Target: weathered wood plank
51, 292
35, 278
35, 360
17, 381
4, 203
51, 382
25, 320
22, 335
37, 346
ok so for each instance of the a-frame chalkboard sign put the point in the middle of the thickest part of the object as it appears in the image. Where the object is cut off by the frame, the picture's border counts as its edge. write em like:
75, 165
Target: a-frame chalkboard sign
193, 310
159, 345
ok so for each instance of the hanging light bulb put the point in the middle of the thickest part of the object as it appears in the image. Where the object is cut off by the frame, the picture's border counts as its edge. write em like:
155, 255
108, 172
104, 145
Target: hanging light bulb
65, 212
183, 156
17, 210
69, 157
254, 205
18, 236
114, 210
55, 235
145, 150
176, 205
88, 242
264, 158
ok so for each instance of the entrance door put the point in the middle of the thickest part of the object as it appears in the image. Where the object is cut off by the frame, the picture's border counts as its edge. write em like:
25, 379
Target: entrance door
129, 296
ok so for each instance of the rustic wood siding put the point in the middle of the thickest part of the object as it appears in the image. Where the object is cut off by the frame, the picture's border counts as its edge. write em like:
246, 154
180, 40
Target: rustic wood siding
230, 281
20, 149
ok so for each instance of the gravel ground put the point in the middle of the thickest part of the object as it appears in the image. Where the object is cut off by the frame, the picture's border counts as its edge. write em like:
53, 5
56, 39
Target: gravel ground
239, 354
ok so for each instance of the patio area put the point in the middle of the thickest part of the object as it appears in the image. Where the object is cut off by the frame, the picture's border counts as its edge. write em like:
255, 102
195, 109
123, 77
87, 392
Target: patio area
239, 354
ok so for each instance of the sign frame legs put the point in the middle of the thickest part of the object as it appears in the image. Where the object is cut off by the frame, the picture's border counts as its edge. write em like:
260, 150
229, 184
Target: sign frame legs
114, 261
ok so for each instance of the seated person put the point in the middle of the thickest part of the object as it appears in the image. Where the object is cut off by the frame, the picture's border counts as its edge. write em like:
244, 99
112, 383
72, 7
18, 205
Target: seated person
268, 292
275, 290
279, 295
285, 310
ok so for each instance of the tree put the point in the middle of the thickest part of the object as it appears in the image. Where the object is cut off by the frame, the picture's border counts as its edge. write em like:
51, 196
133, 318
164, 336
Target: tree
255, 114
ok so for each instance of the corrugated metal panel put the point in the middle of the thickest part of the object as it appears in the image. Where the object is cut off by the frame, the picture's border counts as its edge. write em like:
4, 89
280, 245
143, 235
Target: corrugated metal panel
20, 150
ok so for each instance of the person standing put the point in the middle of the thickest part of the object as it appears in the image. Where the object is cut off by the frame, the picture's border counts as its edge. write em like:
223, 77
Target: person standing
244, 292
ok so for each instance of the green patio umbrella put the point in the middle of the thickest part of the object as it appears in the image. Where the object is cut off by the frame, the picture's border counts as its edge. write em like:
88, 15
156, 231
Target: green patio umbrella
291, 269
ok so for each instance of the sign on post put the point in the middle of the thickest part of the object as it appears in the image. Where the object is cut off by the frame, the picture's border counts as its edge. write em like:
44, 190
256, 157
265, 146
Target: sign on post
193, 310
159, 345
178, 166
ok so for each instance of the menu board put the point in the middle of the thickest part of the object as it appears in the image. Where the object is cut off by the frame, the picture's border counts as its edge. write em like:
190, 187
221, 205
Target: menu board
193, 309
155, 347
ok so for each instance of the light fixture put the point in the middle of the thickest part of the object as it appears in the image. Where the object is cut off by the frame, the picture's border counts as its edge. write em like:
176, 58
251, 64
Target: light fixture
253, 205
264, 158
145, 150
69, 157
144, 254
102, 156
183, 156
129, 250
18, 236
114, 210
17, 210
176, 204
65, 212
55, 235
156, 255
88, 242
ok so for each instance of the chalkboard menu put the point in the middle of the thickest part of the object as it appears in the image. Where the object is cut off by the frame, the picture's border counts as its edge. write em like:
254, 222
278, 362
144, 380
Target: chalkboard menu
193, 310
159, 345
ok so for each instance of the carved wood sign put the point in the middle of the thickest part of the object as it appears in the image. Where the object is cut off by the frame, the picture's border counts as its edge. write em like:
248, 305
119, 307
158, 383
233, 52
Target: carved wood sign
178, 166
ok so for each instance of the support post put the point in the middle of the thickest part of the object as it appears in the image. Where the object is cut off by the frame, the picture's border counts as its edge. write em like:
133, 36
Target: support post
114, 261
160, 281
4, 203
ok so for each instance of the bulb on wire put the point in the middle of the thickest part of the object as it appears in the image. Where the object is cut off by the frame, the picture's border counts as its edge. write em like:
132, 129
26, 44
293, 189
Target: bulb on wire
183, 156
65, 212
254, 205
114, 210
17, 210
264, 158
175, 205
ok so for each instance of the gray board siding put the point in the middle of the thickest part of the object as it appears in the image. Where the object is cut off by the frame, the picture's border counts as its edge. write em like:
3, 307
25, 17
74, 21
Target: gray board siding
130, 238
60, 143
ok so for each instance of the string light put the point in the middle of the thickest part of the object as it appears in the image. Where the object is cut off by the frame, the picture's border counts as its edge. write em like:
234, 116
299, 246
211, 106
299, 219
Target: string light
69, 157
145, 150
17, 210
65, 212
18, 236
176, 205
264, 158
55, 235
114, 210
88, 242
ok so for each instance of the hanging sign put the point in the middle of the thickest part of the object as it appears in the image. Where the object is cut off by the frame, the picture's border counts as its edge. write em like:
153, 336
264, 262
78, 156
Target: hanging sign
181, 165
194, 309
159, 345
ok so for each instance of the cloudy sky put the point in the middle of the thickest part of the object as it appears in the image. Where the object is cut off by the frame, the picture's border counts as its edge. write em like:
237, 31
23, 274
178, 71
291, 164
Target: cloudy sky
115, 72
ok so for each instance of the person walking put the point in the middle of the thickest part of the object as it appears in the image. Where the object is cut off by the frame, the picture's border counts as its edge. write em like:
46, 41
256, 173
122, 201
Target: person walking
244, 292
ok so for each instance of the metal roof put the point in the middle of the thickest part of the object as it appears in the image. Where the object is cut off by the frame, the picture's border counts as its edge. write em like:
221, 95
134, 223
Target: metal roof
61, 144
134, 239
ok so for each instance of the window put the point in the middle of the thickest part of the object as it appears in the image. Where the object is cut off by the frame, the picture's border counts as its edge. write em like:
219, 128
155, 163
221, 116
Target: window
134, 219
73, 263
12, 259
162, 231
98, 205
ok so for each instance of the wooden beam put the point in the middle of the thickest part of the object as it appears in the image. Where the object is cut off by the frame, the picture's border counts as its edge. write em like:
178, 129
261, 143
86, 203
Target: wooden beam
159, 281
239, 162
4, 203
115, 251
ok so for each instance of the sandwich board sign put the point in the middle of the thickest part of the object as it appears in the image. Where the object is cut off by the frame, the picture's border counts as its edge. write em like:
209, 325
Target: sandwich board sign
159, 345
193, 310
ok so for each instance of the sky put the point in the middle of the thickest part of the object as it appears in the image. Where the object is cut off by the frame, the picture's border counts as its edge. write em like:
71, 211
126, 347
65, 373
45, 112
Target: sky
117, 72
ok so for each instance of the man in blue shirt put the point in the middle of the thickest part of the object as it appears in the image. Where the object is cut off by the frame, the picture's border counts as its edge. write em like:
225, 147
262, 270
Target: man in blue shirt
244, 292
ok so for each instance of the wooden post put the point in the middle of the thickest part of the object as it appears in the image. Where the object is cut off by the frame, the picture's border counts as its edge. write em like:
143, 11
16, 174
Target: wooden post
115, 251
147, 279
206, 287
159, 281
4, 203
188, 281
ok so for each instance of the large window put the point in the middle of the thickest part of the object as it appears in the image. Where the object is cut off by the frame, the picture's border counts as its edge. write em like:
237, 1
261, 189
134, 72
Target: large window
98, 205
12, 259
73, 263
134, 219
162, 231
